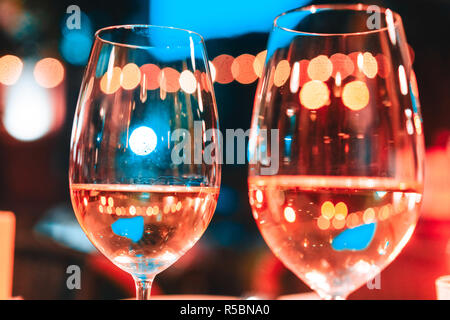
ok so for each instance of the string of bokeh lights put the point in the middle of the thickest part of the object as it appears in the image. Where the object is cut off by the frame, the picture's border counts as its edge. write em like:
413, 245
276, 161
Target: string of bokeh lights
244, 69
34, 99
48, 72
307, 77
337, 216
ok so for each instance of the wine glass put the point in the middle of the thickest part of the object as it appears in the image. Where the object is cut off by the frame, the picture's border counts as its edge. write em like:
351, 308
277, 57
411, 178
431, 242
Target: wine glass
144, 176
336, 146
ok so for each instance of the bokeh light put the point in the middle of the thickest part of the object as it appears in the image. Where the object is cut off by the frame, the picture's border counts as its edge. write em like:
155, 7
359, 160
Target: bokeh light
223, 63
314, 94
289, 214
131, 76
188, 83
323, 223
217, 19
258, 63
110, 81
76, 42
353, 220
369, 215
12, 20
75, 48
242, 69
150, 76
169, 79
28, 113
342, 64
49, 72
320, 68
369, 65
327, 210
355, 95
143, 141
384, 212
10, 69
338, 223
282, 72
341, 211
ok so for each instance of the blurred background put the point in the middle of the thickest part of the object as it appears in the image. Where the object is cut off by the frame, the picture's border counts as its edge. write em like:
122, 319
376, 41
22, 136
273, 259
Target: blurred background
41, 65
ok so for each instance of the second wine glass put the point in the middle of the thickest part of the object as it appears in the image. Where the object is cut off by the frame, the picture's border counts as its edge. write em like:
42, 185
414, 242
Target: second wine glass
143, 184
336, 145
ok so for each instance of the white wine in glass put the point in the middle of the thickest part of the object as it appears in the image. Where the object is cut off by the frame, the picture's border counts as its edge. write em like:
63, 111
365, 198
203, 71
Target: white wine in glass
140, 184
340, 101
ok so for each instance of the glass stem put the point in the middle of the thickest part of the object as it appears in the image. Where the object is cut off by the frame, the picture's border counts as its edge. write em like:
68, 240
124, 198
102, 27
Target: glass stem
143, 287
336, 298
330, 296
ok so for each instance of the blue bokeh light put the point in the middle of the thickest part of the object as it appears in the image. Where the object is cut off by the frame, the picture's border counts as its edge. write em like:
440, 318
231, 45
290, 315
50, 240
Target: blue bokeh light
76, 43
220, 19
75, 48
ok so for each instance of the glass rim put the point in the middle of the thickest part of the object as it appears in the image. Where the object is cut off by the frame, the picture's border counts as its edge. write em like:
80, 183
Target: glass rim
131, 27
338, 7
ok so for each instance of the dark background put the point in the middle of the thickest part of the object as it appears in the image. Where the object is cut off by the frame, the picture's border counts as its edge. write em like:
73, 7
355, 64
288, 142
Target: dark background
231, 258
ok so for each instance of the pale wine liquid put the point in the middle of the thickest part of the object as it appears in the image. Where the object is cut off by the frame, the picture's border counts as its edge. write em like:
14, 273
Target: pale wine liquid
143, 228
335, 233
